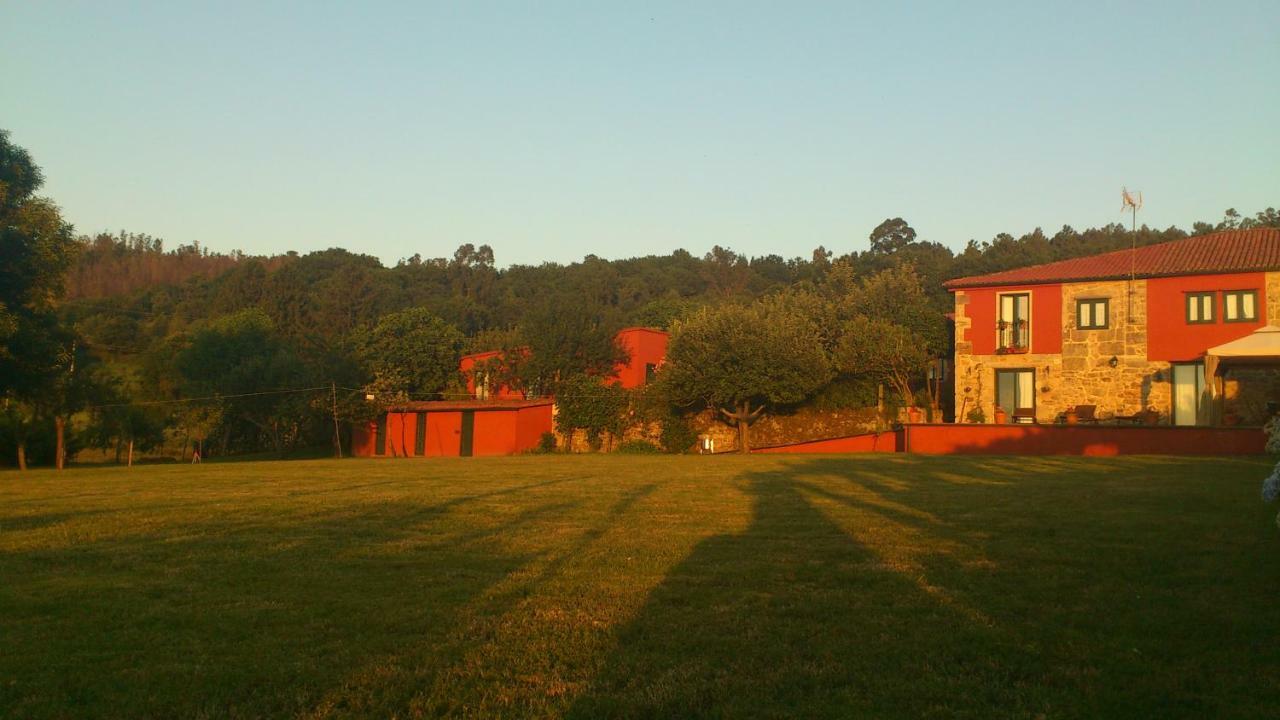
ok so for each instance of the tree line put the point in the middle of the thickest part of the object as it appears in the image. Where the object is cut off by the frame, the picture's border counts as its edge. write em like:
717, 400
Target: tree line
114, 341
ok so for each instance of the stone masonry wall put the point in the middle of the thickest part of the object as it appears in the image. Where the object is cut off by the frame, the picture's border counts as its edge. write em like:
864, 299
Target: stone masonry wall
1273, 298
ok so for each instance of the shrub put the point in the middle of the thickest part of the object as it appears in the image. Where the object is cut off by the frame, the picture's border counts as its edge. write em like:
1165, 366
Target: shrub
638, 447
976, 416
546, 443
677, 436
1271, 486
587, 404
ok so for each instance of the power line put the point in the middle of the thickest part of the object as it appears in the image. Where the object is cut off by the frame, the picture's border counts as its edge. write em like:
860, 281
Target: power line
106, 304
468, 396
208, 397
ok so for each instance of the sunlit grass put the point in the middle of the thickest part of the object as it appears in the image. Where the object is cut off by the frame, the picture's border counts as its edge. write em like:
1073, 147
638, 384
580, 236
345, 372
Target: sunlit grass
897, 586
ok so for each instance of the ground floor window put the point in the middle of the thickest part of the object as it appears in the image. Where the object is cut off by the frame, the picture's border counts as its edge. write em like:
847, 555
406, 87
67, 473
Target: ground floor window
1190, 406
1016, 393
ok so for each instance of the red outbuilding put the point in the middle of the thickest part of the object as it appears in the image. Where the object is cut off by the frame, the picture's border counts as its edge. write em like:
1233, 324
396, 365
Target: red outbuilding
452, 429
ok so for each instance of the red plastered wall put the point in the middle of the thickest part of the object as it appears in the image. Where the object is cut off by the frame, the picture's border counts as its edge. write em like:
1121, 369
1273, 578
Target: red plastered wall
1097, 440
1170, 338
363, 439
884, 442
444, 434
531, 423
400, 429
1046, 317
495, 433
644, 346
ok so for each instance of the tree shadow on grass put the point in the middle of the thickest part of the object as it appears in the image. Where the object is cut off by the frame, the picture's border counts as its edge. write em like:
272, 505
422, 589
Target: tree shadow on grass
344, 610
989, 588
793, 617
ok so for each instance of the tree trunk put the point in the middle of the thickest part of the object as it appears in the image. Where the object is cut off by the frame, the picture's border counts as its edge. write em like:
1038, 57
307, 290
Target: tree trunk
130, 452
742, 418
59, 450
22, 454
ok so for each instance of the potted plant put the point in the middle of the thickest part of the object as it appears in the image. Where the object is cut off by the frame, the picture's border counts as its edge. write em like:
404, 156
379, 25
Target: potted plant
1072, 416
1000, 415
915, 415
976, 416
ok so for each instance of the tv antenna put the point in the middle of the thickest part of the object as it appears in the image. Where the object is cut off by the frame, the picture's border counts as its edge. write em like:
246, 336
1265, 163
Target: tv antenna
1131, 201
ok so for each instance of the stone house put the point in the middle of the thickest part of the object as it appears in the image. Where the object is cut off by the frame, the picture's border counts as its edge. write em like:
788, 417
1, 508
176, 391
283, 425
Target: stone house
1125, 332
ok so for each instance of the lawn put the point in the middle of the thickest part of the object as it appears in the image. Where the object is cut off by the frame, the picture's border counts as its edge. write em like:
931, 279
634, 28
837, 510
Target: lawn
597, 586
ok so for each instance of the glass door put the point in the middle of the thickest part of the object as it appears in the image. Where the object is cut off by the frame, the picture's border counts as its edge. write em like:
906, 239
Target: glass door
1016, 393
1015, 322
1189, 404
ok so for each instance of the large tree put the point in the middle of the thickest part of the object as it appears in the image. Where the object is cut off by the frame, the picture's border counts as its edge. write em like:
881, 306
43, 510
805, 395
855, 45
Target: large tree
411, 354
36, 249
252, 374
563, 336
898, 296
885, 351
891, 236
742, 359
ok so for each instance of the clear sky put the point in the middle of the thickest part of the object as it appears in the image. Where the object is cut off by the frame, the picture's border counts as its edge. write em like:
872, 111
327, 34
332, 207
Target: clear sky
554, 130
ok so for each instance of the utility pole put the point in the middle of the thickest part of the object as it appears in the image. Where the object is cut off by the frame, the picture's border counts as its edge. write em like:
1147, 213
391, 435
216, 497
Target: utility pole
337, 437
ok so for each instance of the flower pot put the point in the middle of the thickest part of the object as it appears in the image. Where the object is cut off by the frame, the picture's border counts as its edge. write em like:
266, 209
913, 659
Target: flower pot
1000, 416
1072, 417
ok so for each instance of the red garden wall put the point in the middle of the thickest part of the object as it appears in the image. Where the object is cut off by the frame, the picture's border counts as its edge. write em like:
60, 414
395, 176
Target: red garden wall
1043, 440
884, 442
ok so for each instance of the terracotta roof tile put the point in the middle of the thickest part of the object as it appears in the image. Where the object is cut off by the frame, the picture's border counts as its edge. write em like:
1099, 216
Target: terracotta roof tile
1231, 251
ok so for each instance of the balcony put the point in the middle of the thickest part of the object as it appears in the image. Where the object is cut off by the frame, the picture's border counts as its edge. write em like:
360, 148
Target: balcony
1013, 338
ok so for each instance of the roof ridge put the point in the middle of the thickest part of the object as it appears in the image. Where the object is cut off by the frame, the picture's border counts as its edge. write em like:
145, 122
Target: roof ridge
1225, 251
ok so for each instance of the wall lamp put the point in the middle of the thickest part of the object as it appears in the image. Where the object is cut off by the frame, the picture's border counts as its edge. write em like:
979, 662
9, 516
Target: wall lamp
1114, 361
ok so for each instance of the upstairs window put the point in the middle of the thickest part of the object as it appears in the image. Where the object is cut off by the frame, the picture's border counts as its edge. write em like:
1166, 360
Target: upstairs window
1199, 308
1093, 314
1240, 305
1014, 326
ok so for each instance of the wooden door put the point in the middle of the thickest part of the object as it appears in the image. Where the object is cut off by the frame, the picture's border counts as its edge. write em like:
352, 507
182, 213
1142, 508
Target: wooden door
467, 437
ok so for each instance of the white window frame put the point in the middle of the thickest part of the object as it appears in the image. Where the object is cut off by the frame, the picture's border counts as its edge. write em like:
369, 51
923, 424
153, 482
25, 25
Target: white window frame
1000, 316
1200, 296
1092, 303
1233, 300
